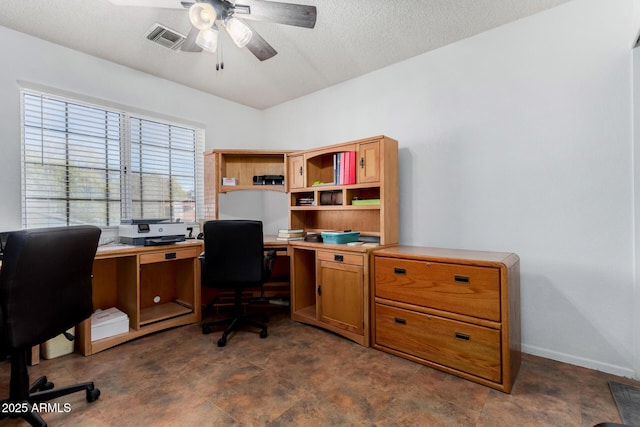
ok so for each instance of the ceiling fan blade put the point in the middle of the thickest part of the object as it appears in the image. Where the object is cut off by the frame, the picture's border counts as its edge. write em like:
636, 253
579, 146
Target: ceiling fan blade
189, 45
259, 46
280, 13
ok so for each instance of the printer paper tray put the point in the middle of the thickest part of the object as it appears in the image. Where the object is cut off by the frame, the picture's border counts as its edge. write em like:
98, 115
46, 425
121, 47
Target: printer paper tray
163, 241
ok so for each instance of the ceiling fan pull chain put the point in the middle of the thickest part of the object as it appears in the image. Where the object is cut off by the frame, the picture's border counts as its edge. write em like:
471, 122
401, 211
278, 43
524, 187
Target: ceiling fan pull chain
221, 58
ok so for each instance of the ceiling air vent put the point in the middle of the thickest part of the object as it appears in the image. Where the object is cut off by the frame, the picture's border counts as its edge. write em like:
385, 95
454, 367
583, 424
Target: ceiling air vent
165, 36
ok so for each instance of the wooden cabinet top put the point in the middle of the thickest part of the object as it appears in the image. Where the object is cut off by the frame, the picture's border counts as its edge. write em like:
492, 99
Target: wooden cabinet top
248, 152
341, 146
458, 256
118, 250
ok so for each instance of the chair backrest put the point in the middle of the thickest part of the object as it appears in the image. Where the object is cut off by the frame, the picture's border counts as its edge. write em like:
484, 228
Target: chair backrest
233, 253
45, 283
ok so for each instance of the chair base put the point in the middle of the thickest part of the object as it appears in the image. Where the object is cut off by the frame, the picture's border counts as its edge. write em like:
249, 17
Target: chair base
24, 399
234, 324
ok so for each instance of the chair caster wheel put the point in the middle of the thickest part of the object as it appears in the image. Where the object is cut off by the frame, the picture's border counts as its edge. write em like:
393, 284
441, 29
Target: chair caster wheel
46, 386
206, 329
93, 395
222, 342
263, 333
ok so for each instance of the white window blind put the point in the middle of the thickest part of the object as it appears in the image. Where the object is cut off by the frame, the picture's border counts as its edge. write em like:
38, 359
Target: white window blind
71, 163
85, 164
162, 172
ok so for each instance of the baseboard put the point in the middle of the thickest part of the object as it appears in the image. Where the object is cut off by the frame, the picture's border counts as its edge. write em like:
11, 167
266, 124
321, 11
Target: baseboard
581, 361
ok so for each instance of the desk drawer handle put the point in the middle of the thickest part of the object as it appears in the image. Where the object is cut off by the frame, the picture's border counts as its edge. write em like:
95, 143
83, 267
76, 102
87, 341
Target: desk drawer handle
170, 255
400, 320
338, 258
400, 271
463, 337
462, 279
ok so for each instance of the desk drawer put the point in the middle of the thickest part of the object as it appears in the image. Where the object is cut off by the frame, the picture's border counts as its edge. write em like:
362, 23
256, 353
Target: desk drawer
169, 255
463, 289
342, 257
458, 345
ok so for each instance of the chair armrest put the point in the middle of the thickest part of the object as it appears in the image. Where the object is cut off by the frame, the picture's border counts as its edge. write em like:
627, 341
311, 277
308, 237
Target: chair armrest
203, 265
268, 262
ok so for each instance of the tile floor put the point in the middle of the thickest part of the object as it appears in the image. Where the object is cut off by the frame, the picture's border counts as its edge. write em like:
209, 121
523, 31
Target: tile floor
304, 376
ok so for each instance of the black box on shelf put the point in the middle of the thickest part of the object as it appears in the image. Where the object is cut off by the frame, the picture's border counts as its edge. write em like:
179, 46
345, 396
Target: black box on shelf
268, 180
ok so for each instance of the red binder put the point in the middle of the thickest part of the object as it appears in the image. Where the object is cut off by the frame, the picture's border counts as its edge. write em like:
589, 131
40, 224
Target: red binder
352, 167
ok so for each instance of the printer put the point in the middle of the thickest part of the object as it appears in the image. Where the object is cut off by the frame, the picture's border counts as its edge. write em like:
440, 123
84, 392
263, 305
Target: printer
150, 232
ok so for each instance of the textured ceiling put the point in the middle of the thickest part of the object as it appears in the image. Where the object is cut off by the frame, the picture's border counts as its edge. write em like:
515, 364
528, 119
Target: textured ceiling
351, 38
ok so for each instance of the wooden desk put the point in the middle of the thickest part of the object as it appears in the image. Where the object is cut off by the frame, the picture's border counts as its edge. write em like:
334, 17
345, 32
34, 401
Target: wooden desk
158, 287
270, 242
130, 277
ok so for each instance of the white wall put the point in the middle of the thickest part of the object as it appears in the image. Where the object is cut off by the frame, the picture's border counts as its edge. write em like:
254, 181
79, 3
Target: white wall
636, 176
24, 58
518, 140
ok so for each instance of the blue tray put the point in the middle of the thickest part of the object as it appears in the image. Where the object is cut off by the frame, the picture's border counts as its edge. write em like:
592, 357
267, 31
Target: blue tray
340, 237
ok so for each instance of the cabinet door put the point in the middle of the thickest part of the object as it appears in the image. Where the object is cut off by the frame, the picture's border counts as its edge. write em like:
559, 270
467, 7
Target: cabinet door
369, 162
340, 296
296, 171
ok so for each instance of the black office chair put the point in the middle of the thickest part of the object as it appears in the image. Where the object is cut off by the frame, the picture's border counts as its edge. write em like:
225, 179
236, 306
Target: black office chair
234, 259
45, 289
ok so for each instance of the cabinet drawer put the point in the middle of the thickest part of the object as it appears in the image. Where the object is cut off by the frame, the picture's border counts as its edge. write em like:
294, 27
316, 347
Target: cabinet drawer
168, 255
344, 258
469, 348
463, 289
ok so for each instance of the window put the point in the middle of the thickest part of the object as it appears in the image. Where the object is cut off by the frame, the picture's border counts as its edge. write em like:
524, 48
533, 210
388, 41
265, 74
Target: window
86, 164
162, 172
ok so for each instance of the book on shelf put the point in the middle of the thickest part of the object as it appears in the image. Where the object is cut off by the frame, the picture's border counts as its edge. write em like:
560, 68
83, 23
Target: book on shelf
290, 235
353, 166
344, 167
291, 230
347, 167
288, 239
361, 202
293, 233
305, 201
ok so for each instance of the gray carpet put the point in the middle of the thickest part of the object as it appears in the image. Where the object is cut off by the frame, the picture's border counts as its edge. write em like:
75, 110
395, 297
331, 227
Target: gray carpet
627, 398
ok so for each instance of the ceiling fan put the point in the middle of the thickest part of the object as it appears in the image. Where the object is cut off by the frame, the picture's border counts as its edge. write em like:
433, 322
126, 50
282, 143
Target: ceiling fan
208, 17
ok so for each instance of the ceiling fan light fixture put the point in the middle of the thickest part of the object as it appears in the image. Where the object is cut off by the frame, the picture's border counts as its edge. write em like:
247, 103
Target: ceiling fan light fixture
208, 39
239, 32
202, 15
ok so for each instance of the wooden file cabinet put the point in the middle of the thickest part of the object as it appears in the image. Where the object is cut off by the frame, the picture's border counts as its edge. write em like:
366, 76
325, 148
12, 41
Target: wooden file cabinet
158, 287
454, 310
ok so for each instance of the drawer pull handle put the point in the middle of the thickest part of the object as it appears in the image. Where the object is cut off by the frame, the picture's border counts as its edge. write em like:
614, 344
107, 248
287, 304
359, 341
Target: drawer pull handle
170, 255
462, 279
338, 258
463, 337
400, 320
399, 271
